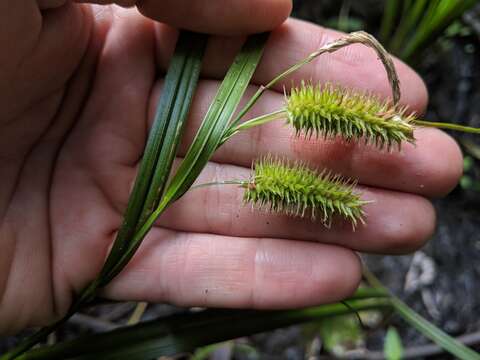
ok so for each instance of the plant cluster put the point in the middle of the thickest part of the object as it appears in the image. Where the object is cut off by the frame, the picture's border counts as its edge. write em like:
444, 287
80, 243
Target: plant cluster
408, 26
277, 184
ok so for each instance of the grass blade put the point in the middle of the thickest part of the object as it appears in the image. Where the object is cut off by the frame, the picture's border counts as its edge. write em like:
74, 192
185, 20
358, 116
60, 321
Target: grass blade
448, 343
205, 143
174, 133
436, 20
218, 117
390, 15
453, 346
182, 75
186, 332
393, 348
407, 24
209, 136
172, 111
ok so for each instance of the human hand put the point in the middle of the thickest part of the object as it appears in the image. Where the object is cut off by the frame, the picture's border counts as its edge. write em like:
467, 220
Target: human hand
78, 88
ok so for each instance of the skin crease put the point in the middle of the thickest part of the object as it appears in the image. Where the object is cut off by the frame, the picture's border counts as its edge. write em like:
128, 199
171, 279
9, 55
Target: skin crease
78, 88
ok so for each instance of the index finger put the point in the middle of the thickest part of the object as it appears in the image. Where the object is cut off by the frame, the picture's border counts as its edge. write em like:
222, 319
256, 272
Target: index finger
214, 16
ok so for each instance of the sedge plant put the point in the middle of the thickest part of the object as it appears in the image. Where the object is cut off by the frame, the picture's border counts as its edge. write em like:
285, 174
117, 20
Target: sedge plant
281, 186
408, 26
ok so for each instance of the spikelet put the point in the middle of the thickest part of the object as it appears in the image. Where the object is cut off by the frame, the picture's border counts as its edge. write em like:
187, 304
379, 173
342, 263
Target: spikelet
331, 111
294, 189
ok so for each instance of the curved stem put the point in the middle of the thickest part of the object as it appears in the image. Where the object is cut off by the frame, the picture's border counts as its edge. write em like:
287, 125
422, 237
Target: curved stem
359, 37
449, 126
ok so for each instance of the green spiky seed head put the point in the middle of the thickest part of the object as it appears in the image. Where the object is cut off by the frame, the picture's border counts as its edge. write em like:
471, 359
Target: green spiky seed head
329, 111
294, 189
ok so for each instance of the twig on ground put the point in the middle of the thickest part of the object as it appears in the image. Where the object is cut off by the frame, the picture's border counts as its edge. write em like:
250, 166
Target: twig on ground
93, 323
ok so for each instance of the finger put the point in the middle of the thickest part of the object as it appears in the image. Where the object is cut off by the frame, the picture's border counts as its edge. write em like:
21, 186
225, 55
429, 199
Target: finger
355, 66
50, 4
215, 16
395, 222
431, 167
218, 271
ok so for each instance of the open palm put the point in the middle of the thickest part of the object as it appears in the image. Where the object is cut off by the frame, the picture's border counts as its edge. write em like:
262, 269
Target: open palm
78, 87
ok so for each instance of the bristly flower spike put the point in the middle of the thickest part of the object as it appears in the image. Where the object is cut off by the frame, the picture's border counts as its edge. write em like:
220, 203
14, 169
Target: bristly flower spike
330, 111
294, 189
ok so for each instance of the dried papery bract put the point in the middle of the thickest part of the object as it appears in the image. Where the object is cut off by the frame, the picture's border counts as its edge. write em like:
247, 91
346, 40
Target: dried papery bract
294, 189
361, 37
330, 111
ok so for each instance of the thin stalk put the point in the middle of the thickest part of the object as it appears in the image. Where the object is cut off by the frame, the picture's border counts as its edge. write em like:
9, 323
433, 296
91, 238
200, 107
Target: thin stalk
225, 182
260, 120
358, 37
369, 292
449, 126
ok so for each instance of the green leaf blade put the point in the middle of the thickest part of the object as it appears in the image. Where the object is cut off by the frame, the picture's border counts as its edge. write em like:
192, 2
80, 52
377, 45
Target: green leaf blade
450, 344
184, 333
173, 108
393, 348
184, 70
210, 135
218, 117
152, 149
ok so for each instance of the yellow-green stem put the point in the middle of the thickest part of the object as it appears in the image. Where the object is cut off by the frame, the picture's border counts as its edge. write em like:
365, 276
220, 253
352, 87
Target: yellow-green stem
449, 126
359, 37
254, 122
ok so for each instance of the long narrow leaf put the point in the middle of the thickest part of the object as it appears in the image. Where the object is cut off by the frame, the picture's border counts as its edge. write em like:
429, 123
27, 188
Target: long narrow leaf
172, 111
184, 333
178, 105
218, 116
390, 15
436, 19
407, 25
182, 76
183, 99
209, 136
205, 143
450, 344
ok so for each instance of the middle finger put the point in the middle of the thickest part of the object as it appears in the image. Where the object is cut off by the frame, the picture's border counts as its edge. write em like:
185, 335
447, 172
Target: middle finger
415, 169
